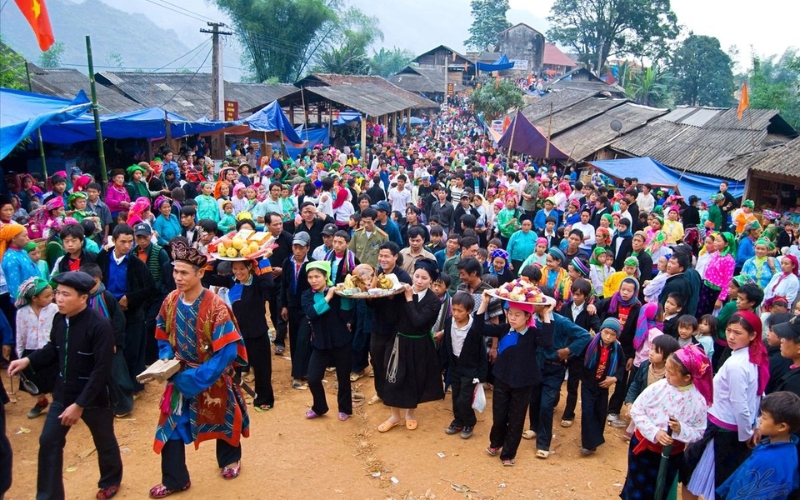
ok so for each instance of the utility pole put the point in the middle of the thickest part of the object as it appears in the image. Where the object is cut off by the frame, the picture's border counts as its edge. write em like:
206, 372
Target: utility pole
217, 85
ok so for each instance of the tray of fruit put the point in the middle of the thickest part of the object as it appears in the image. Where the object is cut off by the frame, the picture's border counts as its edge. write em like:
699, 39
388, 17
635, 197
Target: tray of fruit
362, 283
242, 245
522, 291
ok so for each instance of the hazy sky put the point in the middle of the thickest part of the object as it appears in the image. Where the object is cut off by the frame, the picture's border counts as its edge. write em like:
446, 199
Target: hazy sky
419, 25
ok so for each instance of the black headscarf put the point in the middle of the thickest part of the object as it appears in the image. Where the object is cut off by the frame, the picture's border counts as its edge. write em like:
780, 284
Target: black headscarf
430, 266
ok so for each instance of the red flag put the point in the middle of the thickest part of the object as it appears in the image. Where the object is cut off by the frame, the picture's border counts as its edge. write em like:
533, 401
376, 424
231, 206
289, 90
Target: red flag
744, 102
35, 11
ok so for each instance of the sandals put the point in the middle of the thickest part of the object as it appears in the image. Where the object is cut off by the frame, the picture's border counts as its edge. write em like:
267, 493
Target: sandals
311, 414
279, 350
161, 491
566, 423
387, 426
492, 451
374, 400
543, 454
508, 462
343, 416
232, 472
529, 434
355, 376
411, 424
107, 492
262, 408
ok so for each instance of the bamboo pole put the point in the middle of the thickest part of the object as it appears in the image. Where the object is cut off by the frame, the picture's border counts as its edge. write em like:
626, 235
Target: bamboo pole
96, 112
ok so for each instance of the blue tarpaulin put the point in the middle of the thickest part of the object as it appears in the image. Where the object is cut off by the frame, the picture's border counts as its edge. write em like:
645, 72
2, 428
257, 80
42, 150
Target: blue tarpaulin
499, 65
21, 113
270, 119
314, 136
347, 117
648, 170
147, 123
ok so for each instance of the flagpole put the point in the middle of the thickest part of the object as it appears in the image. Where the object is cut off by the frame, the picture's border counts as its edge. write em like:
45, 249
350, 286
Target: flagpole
549, 129
513, 129
38, 130
101, 155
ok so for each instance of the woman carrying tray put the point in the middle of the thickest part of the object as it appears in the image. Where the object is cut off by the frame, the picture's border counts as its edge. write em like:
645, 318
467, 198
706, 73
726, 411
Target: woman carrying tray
412, 370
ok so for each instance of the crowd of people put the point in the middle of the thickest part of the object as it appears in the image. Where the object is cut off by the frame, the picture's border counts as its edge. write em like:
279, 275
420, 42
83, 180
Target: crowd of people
674, 319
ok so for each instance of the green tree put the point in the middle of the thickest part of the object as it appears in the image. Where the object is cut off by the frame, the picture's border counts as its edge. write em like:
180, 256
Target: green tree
12, 68
114, 59
774, 83
349, 59
280, 37
488, 19
598, 29
388, 62
52, 58
651, 87
703, 73
355, 32
493, 102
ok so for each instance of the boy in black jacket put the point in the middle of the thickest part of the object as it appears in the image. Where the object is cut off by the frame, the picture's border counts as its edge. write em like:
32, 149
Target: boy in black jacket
467, 359
575, 311
515, 371
294, 282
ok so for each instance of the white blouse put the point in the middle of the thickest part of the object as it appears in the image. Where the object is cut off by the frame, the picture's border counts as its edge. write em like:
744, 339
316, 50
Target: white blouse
735, 399
32, 332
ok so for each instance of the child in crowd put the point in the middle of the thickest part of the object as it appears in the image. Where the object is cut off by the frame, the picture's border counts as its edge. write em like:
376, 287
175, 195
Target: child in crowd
748, 298
494, 244
354, 223
630, 269
673, 307
653, 369
515, 371
574, 310
600, 269
72, 237
330, 319
36, 256
649, 326
440, 288
466, 354
555, 277
654, 287
604, 365
35, 313
706, 328
670, 412
687, 330
538, 257
483, 259
778, 365
436, 244
228, 221
771, 470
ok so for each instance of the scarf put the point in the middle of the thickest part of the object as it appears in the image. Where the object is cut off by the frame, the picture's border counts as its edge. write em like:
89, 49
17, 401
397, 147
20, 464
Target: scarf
730, 249
617, 301
694, 359
756, 351
646, 321
97, 301
593, 354
348, 261
595, 254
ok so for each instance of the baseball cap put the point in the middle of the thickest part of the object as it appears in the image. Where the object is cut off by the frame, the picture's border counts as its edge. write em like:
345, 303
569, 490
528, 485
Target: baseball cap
301, 238
329, 229
383, 205
789, 330
142, 229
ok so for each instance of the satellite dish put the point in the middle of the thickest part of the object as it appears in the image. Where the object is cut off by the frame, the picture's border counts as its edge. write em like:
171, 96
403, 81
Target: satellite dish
616, 125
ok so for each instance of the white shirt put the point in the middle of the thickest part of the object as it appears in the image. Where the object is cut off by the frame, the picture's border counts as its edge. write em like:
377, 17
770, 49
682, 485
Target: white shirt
576, 310
587, 230
458, 335
735, 399
400, 199
646, 202
320, 252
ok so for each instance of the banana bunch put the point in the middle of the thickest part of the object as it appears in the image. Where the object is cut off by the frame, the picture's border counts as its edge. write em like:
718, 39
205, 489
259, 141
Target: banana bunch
385, 283
349, 282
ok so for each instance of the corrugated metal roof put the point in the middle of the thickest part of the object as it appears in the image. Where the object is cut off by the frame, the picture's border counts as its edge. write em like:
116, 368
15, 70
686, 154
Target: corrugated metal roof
585, 139
577, 113
187, 94
378, 81
783, 160
67, 82
700, 117
427, 80
369, 99
676, 114
560, 100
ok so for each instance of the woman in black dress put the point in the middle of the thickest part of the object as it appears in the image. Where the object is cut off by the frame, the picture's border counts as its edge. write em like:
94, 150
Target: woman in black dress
412, 373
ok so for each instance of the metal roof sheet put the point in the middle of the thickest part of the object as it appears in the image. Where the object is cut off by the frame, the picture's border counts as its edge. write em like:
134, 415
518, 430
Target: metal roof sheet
67, 82
369, 99
700, 117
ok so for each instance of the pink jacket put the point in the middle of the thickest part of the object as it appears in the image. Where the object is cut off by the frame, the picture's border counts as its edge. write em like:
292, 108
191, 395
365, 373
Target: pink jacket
114, 197
720, 272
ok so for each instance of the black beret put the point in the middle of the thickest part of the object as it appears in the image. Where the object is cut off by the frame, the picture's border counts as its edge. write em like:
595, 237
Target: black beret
80, 281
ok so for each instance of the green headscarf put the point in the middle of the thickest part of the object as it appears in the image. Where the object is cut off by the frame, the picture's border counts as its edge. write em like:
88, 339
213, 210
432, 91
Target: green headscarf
631, 261
609, 218
134, 168
749, 204
323, 266
731, 248
595, 254
29, 289
75, 196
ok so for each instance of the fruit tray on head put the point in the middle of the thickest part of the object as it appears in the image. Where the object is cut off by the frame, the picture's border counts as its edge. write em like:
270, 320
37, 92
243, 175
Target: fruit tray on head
242, 245
362, 284
522, 291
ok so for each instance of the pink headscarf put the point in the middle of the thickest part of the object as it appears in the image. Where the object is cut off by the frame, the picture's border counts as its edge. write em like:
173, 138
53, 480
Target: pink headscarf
646, 321
696, 362
757, 352
528, 308
135, 213
81, 182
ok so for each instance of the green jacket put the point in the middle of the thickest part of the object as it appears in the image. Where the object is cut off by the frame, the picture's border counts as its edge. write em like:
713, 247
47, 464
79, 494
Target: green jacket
366, 248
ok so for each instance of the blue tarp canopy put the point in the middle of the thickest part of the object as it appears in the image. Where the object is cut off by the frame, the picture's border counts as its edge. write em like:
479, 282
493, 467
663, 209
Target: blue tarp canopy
269, 119
347, 117
649, 170
147, 123
499, 65
313, 136
521, 136
21, 113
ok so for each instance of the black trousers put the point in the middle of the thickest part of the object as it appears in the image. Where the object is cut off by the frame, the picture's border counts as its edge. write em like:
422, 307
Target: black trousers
299, 343
544, 399
100, 421
620, 391
509, 406
10, 312
5, 452
463, 414
259, 358
594, 410
379, 345
361, 336
275, 315
574, 370
321, 359
135, 345
175, 474
150, 342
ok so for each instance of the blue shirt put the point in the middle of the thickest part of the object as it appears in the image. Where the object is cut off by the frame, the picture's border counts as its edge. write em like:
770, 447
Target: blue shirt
117, 277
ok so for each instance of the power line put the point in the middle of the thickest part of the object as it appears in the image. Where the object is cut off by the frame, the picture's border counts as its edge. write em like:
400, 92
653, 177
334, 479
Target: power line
188, 82
186, 13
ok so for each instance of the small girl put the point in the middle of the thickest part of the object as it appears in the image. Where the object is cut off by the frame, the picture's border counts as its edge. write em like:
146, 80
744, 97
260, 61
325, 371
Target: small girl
331, 341
599, 270
603, 365
36, 256
654, 287
687, 330
653, 369
671, 412
228, 221
539, 255
706, 329
35, 313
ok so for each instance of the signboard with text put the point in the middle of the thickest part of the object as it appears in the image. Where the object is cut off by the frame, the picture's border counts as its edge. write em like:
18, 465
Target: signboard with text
231, 111
451, 89
519, 63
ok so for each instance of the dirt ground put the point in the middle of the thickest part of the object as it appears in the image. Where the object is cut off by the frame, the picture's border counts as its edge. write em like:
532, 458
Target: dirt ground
289, 457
